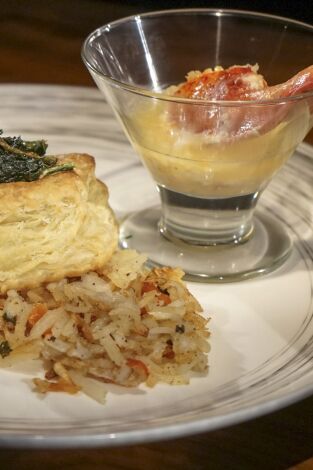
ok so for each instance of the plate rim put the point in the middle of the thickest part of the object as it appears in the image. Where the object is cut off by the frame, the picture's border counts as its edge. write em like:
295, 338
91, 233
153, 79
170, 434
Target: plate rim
157, 434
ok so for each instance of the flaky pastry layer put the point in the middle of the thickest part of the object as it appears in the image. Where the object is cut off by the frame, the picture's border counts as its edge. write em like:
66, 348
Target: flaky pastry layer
58, 226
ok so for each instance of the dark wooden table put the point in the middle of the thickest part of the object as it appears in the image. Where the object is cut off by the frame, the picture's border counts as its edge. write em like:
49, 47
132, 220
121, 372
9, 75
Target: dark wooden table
40, 43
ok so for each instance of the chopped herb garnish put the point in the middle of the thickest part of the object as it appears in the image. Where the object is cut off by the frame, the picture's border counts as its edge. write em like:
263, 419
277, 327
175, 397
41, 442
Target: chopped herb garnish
22, 160
38, 147
5, 349
180, 329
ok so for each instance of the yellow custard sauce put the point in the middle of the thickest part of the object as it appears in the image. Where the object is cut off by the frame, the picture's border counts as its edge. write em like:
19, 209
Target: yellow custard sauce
200, 165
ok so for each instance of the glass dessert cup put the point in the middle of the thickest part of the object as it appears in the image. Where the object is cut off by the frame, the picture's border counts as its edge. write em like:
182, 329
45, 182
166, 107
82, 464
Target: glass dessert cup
209, 181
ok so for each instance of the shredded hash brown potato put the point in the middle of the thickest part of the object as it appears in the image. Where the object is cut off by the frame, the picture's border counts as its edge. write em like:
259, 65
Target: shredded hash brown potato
125, 325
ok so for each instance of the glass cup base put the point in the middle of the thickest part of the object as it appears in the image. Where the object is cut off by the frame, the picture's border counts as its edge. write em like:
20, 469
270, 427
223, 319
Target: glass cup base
265, 250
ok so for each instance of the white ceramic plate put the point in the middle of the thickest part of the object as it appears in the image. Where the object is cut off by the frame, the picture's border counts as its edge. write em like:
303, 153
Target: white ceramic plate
262, 330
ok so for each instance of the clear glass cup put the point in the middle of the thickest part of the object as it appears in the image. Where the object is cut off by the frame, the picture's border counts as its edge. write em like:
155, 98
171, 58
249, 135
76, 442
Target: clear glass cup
209, 186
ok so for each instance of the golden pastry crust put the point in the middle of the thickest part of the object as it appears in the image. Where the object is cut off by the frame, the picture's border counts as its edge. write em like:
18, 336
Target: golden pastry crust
55, 227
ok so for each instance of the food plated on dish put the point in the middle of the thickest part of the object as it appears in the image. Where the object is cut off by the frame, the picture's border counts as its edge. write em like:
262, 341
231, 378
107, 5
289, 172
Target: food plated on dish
259, 329
91, 313
94, 314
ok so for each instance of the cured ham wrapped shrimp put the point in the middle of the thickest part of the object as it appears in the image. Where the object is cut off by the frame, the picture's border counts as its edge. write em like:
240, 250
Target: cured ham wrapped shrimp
236, 84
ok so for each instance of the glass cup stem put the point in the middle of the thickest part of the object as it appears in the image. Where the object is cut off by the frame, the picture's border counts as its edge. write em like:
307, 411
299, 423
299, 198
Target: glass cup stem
206, 221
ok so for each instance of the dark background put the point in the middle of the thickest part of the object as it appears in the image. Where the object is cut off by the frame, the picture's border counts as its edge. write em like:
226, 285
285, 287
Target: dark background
45, 37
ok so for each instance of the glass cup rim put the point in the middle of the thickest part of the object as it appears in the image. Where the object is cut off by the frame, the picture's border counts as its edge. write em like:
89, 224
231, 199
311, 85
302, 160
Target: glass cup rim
218, 12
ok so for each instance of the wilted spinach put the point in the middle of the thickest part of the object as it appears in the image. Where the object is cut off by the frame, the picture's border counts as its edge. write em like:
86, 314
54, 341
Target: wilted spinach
22, 160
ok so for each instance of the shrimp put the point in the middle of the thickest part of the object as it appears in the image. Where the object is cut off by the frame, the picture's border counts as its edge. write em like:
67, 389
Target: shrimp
237, 83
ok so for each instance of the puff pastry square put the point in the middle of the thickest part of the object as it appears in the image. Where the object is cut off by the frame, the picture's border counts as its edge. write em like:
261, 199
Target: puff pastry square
58, 226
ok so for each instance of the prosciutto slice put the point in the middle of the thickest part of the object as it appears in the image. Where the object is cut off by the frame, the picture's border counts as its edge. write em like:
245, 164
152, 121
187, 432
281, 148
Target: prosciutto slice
249, 105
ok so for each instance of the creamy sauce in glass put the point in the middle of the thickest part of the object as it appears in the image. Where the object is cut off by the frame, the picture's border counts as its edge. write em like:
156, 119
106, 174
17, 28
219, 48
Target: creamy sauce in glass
197, 165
